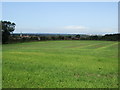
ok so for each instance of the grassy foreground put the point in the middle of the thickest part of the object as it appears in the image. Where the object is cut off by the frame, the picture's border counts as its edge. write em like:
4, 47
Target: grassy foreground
61, 64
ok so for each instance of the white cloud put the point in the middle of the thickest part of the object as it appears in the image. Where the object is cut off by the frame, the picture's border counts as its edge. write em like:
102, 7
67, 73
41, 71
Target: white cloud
75, 27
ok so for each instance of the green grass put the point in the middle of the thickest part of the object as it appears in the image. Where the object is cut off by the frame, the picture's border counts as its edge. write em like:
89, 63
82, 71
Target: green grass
60, 64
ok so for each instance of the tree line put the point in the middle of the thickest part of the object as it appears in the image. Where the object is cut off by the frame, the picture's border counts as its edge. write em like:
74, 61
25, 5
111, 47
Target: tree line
107, 37
8, 27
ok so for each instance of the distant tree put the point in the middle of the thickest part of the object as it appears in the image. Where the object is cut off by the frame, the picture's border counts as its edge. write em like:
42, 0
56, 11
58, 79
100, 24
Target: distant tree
77, 36
7, 29
69, 37
53, 38
94, 37
61, 37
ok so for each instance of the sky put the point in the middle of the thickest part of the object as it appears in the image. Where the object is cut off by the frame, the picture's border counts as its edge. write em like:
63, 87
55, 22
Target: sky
62, 17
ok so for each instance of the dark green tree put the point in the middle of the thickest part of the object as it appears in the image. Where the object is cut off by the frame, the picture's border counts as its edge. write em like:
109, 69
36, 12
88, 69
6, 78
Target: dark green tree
6, 30
77, 36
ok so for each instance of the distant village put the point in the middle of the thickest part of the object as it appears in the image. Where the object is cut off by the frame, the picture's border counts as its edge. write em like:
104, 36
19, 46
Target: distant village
23, 37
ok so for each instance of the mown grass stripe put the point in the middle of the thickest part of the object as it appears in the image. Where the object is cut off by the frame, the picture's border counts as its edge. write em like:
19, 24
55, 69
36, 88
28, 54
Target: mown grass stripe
104, 47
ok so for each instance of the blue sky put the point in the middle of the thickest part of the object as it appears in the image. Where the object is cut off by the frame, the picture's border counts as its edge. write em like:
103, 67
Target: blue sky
62, 17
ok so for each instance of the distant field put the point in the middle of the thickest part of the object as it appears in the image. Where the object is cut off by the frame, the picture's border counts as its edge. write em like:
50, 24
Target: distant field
60, 64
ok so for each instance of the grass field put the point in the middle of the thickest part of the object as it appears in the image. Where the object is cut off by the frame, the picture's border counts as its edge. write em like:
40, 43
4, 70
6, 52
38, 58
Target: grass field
60, 64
